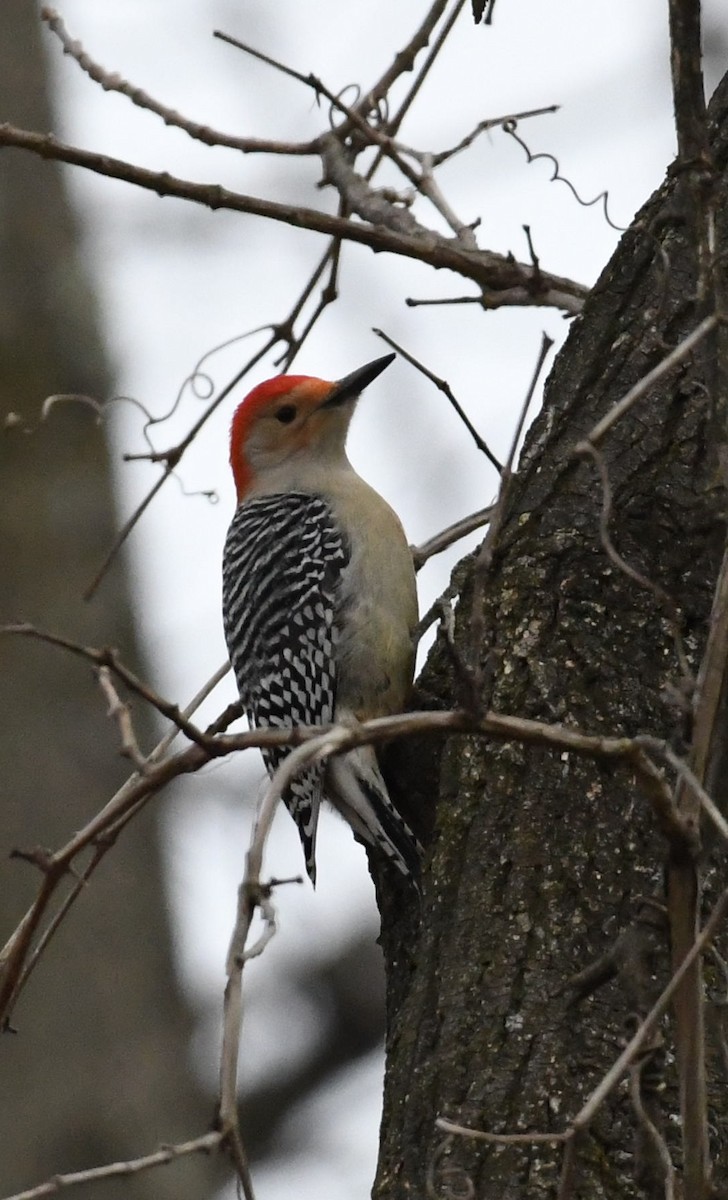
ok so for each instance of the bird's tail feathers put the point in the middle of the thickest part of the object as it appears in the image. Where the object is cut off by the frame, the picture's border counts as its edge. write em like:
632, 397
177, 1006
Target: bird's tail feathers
302, 798
355, 787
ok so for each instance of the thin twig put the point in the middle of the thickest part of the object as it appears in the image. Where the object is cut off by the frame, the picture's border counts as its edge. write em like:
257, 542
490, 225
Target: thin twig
491, 123
404, 61
645, 1030
252, 895
205, 1144
650, 1129
106, 660
643, 385
428, 186
18, 958
443, 386
119, 712
113, 82
485, 555
687, 775
172, 460
329, 293
589, 450
369, 132
394, 123
58, 917
502, 1139
447, 537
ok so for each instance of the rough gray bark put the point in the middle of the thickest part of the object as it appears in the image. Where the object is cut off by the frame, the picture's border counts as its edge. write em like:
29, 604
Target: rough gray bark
97, 1068
541, 861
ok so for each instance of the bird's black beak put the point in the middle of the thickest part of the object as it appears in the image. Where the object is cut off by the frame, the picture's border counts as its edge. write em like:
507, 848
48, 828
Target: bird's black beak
352, 385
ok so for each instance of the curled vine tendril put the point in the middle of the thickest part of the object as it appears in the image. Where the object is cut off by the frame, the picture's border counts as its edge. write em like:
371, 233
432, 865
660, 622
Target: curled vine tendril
510, 127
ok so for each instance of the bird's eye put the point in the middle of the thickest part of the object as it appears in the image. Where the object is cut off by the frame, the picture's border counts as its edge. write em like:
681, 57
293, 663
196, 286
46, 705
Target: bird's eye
286, 414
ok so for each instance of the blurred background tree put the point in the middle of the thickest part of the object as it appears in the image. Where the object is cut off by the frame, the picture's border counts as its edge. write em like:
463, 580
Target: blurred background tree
95, 1068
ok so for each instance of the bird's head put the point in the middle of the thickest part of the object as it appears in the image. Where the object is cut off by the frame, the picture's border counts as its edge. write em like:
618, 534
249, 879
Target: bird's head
294, 418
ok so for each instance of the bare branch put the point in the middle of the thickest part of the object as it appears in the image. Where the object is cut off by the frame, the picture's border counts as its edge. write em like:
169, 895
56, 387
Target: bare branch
329, 293
205, 1144
658, 591
686, 58
119, 712
443, 386
647, 1027
59, 916
101, 830
423, 182
642, 387
485, 554
688, 776
491, 123
447, 537
17, 958
404, 62
651, 1130
107, 660
496, 274
171, 460
252, 895
428, 186
113, 82
502, 1139
369, 132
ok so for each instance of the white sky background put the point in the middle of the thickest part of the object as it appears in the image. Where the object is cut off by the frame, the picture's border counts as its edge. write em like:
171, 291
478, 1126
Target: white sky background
176, 281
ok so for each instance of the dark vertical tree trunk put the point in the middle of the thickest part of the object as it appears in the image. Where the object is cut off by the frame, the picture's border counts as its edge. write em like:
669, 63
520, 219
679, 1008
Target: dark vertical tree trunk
544, 862
97, 1069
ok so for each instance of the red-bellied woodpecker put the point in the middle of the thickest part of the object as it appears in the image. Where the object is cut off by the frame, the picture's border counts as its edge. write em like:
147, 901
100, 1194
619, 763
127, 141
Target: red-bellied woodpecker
319, 599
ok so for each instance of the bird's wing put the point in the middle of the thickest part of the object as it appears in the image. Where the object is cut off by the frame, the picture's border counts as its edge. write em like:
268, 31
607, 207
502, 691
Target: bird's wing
282, 566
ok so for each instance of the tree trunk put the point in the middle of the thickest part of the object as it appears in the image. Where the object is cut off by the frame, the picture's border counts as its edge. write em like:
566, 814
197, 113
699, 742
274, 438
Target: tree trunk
96, 1069
542, 862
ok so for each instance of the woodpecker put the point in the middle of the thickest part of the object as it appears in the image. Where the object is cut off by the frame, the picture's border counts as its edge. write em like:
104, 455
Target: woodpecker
319, 597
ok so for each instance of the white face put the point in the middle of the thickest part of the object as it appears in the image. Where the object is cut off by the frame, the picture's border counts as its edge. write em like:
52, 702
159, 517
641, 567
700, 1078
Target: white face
298, 427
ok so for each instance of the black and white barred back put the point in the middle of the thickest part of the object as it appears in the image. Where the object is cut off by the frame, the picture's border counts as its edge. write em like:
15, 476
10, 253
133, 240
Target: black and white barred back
284, 555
